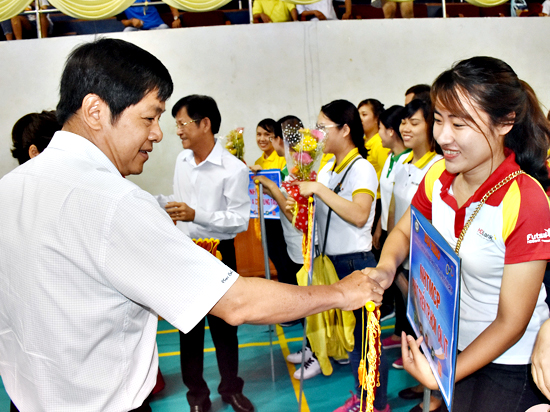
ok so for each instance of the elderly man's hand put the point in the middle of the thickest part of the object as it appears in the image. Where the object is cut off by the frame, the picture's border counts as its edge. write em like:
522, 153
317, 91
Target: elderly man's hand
358, 289
180, 211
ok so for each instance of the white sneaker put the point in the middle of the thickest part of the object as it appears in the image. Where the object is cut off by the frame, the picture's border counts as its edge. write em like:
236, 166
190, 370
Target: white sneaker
296, 357
311, 369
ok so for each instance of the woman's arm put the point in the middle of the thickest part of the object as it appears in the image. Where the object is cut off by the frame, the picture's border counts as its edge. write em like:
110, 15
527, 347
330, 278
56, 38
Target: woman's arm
273, 190
355, 212
541, 360
395, 250
518, 297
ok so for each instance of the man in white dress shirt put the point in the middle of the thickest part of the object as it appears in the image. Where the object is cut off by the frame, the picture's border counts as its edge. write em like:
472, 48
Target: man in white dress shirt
210, 200
88, 259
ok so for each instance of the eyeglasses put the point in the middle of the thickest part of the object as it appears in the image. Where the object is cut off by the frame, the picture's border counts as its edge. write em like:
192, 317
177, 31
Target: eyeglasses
180, 125
323, 127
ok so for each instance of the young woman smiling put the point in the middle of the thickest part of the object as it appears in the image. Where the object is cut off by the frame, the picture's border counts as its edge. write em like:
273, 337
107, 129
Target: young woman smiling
494, 136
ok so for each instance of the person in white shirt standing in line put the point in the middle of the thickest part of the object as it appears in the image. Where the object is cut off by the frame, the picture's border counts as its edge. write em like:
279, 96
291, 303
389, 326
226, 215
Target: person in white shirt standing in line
210, 200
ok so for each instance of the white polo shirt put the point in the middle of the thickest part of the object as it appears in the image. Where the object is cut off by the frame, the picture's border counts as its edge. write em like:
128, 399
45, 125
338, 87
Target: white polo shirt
387, 181
87, 260
513, 226
217, 189
344, 237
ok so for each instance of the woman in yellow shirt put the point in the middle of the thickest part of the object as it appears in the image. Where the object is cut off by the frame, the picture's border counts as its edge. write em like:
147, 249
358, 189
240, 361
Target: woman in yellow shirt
266, 131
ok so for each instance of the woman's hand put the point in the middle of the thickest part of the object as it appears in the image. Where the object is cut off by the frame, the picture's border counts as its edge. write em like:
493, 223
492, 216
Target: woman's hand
540, 368
415, 362
308, 189
290, 204
266, 184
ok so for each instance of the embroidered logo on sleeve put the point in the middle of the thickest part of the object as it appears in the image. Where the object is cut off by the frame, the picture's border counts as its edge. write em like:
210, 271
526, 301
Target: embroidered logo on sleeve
539, 237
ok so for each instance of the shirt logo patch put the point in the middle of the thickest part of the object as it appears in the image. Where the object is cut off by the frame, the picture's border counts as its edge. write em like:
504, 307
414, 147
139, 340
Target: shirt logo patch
539, 237
485, 235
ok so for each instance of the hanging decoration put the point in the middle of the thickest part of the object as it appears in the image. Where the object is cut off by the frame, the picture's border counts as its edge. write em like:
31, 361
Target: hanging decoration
11, 8
370, 357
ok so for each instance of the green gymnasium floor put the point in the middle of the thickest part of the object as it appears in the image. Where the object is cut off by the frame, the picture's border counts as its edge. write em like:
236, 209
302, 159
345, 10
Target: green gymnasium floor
321, 393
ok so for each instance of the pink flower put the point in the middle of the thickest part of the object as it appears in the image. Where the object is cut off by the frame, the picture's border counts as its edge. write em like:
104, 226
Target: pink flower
302, 158
319, 135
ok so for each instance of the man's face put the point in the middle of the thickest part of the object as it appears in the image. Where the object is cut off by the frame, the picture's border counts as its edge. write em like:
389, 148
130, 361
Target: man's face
188, 130
131, 138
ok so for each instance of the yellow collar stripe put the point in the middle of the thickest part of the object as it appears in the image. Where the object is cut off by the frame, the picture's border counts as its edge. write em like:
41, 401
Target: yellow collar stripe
347, 160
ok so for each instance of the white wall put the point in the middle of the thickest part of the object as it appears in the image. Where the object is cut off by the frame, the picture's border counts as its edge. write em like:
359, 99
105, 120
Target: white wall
273, 70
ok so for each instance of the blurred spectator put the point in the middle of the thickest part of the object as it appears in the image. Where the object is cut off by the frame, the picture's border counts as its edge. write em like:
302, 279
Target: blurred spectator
142, 18
322, 10
24, 25
546, 8
268, 11
347, 13
390, 7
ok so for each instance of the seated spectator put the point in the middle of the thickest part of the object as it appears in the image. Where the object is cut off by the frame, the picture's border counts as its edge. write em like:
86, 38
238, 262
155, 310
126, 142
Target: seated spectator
546, 8
322, 10
143, 18
347, 13
273, 11
390, 7
23, 26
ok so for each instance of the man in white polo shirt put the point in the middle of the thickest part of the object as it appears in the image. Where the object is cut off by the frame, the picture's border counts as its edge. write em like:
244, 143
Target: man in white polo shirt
88, 259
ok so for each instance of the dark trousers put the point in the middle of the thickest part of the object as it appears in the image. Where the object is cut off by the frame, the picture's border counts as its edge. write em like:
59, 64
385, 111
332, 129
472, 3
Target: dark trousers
225, 341
13, 408
277, 251
497, 388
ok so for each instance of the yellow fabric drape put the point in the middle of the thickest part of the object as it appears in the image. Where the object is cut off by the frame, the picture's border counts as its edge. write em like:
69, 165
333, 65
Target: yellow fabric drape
91, 9
486, 3
197, 5
11, 8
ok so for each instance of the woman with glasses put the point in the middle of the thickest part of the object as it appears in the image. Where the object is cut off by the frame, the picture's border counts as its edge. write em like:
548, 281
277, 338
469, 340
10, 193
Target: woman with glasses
486, 200
345, 193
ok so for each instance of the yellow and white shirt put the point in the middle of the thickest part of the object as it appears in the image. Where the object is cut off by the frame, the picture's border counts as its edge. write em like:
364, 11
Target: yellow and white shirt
273, 161
344, 237
512, 227
377, 155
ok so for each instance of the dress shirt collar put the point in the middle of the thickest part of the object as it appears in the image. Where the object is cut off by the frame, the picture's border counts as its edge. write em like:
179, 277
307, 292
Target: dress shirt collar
214, 157
80, 146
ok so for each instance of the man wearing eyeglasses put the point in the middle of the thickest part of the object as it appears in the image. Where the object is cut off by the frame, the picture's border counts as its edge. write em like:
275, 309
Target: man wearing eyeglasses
210, 200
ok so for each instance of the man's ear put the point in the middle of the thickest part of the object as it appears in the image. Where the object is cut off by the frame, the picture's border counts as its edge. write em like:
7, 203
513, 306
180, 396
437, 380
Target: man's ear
94, 111
206, 124
33, 151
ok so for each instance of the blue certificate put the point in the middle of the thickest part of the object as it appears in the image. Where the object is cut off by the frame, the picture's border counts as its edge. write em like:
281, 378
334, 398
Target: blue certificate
271, 208
433, 301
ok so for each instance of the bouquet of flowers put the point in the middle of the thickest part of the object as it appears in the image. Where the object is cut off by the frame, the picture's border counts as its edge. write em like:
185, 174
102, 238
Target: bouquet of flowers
234, 143
304, 150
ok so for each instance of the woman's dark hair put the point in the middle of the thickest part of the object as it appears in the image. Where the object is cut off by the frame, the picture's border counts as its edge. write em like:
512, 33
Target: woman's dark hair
271, 126
200, 107
33, 129
376, 106
427, 111
120, 73
391, 118
492, 86
344, 112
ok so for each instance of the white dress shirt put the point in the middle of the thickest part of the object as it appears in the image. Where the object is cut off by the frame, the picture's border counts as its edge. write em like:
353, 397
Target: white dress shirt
217, 188
87, 260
